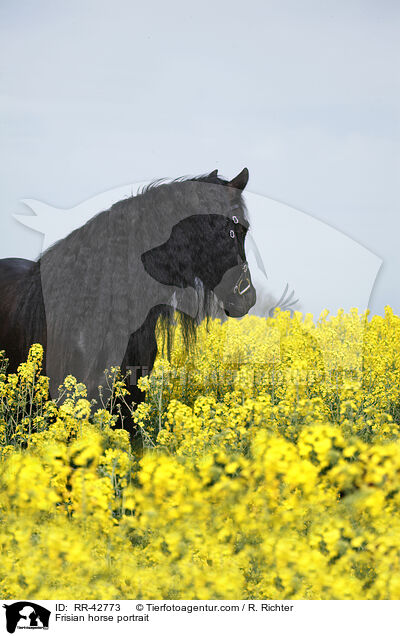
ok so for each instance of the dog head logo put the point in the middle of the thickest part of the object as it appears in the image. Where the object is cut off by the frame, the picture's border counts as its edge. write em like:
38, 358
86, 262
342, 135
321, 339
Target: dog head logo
26, 615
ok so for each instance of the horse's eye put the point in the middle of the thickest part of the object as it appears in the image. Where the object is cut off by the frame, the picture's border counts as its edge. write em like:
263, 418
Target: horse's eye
232, 234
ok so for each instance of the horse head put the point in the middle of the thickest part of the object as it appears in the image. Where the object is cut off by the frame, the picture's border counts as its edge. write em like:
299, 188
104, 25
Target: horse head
205, 249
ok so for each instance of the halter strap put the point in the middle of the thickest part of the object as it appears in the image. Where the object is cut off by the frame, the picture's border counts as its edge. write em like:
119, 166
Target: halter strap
243, 283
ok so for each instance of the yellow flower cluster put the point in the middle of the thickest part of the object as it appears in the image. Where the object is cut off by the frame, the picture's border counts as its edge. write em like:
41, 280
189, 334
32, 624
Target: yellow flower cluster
271, 470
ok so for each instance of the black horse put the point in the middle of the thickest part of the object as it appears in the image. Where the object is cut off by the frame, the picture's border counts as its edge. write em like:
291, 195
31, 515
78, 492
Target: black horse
94, 298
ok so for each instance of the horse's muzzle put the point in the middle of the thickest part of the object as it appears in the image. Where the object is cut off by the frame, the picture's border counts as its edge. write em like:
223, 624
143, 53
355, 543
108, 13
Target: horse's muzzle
236, 291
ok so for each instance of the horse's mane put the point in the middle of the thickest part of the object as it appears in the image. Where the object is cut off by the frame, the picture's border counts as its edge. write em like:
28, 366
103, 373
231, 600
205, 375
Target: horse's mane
143, 190
84, 276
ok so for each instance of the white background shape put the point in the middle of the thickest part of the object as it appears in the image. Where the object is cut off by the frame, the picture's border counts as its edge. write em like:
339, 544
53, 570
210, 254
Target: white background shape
324, 268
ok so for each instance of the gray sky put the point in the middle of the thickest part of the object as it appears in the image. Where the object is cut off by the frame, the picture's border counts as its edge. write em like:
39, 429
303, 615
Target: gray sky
98, 94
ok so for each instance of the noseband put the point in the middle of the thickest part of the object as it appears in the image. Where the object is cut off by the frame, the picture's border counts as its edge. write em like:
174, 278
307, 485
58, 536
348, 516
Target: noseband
243, 283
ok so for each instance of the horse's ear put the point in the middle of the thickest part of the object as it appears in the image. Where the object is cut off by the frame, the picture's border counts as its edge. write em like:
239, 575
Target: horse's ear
214, 173
240, 181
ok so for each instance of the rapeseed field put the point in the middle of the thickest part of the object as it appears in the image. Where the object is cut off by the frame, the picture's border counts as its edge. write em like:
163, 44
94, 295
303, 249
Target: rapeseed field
271, 469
